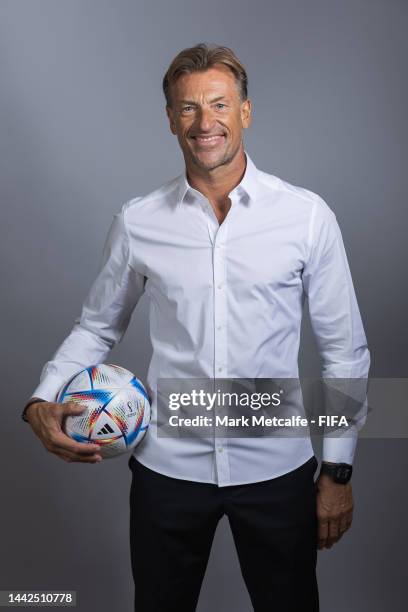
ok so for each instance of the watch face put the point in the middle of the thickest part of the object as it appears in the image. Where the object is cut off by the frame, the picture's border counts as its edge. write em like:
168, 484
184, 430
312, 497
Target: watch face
343, 473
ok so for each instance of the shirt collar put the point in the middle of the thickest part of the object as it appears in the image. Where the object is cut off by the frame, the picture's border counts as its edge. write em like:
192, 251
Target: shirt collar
248, 184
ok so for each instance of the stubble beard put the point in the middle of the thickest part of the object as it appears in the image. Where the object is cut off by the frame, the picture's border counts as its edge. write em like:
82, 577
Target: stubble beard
224, 161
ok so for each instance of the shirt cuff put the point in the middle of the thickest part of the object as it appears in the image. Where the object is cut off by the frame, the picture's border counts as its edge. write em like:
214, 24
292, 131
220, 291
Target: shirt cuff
339, 450
49, 388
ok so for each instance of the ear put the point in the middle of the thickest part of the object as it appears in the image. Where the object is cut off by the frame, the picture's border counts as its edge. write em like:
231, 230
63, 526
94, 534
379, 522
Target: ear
246, 113
170, 115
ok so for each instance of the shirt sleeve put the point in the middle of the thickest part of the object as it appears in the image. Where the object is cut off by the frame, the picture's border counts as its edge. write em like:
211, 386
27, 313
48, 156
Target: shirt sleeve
105, 315
335, 316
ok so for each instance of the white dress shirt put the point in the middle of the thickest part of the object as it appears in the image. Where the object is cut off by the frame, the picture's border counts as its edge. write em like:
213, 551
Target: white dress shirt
226, 301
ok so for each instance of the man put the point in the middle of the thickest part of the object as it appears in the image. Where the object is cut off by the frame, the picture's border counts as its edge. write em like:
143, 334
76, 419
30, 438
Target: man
227, 255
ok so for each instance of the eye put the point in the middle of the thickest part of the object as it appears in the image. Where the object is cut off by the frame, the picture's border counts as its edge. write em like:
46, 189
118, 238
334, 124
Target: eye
186, 109
220, 105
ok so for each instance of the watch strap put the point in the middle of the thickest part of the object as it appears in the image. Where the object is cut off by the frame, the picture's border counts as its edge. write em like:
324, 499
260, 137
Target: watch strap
34, 400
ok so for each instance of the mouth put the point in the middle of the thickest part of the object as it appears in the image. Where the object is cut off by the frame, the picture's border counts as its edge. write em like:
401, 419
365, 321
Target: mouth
208, 141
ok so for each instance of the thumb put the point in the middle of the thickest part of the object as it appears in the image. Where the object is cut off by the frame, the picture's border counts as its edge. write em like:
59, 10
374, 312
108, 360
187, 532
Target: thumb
73, 408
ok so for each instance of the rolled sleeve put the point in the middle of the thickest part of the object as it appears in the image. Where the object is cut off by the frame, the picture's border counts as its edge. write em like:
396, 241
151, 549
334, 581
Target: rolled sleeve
105, 314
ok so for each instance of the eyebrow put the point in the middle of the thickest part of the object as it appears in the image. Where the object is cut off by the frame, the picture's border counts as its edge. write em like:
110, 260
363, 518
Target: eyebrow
195, 103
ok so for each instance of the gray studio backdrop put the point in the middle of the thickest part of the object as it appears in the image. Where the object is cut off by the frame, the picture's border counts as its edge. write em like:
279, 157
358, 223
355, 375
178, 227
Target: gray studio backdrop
83, 129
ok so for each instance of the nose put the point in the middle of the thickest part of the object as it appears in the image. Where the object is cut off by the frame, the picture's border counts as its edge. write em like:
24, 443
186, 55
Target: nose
205, 119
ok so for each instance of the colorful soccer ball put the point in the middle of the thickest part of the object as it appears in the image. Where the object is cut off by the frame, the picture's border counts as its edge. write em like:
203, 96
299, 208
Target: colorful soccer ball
118, 408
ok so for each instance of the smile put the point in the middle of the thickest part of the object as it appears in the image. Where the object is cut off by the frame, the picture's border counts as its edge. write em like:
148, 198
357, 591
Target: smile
209, 140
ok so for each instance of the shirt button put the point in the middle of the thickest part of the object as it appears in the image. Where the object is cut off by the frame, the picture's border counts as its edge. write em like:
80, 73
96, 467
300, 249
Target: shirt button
220, 369
219, 327
220, 449
219, 286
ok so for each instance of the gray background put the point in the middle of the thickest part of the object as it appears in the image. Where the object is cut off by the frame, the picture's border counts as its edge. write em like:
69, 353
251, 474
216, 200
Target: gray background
83, 129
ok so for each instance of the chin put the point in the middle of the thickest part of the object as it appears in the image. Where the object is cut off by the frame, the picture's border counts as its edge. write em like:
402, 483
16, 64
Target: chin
211, 162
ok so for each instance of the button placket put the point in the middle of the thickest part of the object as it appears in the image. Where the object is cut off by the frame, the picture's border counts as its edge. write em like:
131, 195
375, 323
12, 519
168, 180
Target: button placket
212, 221
220, 302
220, 339
218, 236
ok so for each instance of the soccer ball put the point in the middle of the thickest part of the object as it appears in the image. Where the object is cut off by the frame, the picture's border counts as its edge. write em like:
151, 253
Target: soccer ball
118, 408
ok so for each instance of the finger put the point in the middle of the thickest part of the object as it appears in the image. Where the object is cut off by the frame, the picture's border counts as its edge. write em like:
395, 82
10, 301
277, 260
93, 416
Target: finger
321, 544
63, 442
91, 459
72, 458
330, 542
344, 524
334, 530
323, 532
72, 408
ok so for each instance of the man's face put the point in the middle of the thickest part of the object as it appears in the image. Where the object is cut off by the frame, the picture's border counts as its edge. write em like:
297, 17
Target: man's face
208, 117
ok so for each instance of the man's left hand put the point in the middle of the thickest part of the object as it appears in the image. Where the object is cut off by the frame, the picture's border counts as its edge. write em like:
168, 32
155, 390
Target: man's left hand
334, 510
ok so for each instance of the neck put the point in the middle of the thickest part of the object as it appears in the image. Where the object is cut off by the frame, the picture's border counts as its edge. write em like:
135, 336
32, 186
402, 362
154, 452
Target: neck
216, 184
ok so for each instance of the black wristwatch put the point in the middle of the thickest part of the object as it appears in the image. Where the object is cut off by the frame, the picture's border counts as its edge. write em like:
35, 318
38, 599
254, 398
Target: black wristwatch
339, 472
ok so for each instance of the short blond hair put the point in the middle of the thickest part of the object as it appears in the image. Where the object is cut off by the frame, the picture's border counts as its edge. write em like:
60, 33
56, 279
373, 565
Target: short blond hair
201, 57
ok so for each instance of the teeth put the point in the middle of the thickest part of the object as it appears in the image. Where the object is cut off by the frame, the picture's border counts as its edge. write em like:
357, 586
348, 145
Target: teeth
206, 138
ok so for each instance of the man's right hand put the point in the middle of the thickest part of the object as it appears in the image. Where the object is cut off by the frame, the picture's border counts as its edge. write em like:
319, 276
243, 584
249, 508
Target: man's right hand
46, 419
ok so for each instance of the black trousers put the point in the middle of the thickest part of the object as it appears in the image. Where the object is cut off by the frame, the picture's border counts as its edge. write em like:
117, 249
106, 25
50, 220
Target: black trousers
273, 523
